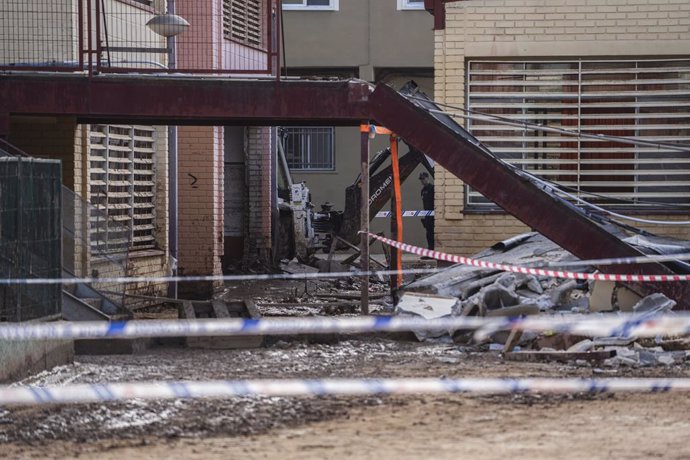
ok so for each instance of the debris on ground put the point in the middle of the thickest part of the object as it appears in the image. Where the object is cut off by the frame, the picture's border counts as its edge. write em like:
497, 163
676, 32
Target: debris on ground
428, 307
475, 291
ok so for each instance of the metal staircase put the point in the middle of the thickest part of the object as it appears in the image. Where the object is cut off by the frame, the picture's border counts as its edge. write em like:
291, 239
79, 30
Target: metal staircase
96, 301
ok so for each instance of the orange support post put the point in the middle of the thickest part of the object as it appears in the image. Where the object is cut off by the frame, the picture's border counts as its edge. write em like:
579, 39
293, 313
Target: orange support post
396, 211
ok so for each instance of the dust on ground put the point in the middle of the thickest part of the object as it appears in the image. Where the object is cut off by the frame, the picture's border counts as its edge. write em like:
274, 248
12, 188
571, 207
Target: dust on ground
442, 426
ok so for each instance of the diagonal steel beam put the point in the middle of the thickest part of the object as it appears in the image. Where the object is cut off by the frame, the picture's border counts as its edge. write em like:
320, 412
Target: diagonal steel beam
460, 153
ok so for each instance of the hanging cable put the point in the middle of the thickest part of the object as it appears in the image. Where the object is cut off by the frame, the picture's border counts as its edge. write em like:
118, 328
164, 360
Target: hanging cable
474, 115
469, 114
622, 200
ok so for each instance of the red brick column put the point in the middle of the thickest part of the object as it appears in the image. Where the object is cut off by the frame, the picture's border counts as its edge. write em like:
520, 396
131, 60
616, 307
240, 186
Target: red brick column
200, 190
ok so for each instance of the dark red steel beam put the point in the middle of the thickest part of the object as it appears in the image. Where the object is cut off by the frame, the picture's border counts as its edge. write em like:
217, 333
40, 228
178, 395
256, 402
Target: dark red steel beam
539, 210
191, 101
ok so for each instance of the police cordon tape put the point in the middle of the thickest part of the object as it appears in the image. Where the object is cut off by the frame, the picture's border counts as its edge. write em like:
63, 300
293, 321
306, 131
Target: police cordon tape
108, 392
187, 279
528, 270
586, 325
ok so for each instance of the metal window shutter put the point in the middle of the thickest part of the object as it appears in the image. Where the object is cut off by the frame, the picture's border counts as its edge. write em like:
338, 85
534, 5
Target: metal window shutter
644, 99
242, 21
122, 185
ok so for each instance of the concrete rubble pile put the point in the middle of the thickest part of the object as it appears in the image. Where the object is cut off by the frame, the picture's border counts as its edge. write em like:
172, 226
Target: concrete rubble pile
462, 290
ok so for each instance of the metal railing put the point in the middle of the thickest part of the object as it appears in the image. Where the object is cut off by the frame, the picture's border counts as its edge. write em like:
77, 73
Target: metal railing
29, 235
84, 236
117, 36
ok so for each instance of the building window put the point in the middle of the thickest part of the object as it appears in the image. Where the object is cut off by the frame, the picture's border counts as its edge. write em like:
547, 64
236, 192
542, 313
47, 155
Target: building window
648, 100
242, 21
122, 185
331, 5
410, 4
309, 148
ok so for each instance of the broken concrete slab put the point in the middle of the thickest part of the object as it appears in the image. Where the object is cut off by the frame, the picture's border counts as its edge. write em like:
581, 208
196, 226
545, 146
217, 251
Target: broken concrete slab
428, 307
625, 298
530, 248
294, 267
601, 296
561, 294
641, 357
654, 304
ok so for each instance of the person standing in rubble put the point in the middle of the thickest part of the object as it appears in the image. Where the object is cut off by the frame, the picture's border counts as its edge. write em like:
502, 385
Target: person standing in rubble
428, 204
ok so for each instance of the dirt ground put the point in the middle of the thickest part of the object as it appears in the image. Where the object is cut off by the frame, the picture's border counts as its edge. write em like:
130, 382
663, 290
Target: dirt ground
401, 427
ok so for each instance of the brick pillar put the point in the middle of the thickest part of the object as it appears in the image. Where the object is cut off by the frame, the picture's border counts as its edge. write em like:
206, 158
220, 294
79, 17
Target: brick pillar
258, 148
200, 189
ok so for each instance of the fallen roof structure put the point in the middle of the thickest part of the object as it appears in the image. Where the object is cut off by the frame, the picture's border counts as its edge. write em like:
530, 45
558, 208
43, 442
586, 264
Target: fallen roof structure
419, 121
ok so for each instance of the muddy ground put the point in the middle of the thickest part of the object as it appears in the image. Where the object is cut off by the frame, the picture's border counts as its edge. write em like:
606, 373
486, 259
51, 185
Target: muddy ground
448, 426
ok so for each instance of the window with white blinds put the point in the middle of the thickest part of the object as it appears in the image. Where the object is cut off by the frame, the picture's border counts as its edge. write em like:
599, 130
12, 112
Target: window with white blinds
648, 100
122, 182
242, 21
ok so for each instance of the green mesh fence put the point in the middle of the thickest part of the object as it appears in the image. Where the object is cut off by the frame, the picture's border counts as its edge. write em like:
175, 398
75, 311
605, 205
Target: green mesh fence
30, 236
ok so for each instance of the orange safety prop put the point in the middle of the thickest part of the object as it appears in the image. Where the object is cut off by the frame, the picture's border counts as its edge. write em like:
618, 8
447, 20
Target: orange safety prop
397, 200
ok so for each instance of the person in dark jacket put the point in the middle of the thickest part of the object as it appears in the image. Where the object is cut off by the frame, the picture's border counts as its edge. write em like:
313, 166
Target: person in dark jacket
428, 204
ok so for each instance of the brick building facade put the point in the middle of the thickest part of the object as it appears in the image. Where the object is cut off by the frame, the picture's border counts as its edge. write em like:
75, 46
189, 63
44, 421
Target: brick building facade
627, 59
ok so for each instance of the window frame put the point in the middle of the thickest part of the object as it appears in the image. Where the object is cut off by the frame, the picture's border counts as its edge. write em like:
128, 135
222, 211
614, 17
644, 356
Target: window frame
333, 6
305, 164
405, 5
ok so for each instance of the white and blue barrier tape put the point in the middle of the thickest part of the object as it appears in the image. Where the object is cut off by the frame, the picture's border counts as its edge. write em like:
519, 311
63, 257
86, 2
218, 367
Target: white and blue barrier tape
586, 325
109, 392
225, 278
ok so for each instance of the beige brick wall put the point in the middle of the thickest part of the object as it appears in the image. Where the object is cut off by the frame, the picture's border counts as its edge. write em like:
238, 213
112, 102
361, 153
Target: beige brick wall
523, 29
259, 187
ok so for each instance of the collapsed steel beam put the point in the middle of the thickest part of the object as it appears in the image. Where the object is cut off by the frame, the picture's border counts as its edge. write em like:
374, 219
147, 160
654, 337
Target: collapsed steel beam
443, 140
192, 101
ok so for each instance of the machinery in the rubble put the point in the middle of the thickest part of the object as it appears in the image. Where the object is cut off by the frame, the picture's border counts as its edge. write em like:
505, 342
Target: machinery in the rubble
302, 230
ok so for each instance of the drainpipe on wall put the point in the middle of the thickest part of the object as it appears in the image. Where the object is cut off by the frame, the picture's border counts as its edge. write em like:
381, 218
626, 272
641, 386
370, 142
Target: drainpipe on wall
172, 173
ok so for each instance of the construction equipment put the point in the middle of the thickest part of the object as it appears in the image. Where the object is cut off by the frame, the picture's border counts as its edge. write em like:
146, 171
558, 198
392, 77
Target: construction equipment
302, 231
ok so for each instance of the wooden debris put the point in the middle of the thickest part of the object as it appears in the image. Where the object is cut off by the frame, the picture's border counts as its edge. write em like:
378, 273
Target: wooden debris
513, 339
220, 309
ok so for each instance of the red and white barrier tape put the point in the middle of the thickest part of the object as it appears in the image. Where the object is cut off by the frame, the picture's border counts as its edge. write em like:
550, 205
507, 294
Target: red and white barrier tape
526, 270
414, 213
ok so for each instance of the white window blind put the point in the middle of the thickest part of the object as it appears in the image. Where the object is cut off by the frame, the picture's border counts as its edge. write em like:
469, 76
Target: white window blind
645, 99
122, 183
242, 21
